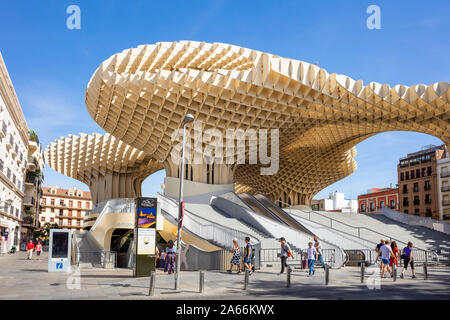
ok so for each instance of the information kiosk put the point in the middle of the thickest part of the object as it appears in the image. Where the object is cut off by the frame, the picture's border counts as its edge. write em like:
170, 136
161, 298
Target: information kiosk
59, 252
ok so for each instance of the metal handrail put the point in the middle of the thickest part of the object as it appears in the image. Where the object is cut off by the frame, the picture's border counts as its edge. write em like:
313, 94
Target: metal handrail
236, 233
371, 230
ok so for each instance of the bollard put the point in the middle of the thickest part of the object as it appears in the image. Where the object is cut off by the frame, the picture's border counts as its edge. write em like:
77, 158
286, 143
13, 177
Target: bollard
288, 278
152, 284
362, 271
327, 274
246, 279
394, 271
425, 271
202, 282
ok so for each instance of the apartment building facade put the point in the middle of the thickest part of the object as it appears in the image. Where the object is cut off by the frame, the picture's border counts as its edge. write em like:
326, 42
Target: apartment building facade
443, 169
418, 182
377, 198
14, 152
65, 207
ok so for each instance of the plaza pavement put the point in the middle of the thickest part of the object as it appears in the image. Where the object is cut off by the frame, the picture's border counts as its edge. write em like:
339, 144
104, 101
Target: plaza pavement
29, 280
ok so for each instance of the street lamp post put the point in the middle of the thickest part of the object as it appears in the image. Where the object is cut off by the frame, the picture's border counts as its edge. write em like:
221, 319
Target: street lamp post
187, 119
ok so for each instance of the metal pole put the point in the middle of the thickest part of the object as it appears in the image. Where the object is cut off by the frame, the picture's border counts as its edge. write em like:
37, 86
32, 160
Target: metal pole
246, 279
327, 274
425, 272
362, 271
394, 271
202, 282
152, 284
288, 278
180, 209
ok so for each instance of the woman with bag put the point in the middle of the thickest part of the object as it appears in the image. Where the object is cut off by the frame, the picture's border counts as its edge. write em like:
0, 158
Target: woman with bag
407, 257
236, 259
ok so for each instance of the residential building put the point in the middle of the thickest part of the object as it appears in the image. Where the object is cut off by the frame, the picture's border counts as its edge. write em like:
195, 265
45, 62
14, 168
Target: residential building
335, 202
65, 207
33, 181
418, 182
377, 198
14, 152
443, 169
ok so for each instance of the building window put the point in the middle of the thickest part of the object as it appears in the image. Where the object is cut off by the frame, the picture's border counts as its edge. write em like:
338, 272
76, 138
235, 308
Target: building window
363, 207
70, 213
428, 212
407, 175
70, 203
402, 176
428, 198
417, 173
429, 171
405, 188
372, 206
42, 219
78, 223
69, 222
416, 200
381, 204
405, 202
52, 202
392, 204
61, 212
79, 204
416, 187
412, 174
416, 212
427, 186
52, 219
52, 210
423, 172
61, 202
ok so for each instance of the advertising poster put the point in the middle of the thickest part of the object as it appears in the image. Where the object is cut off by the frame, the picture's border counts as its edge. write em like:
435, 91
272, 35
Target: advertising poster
146, 241
145, 236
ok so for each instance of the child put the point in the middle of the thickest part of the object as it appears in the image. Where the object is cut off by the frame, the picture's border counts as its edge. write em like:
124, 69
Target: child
171, 254
312, 257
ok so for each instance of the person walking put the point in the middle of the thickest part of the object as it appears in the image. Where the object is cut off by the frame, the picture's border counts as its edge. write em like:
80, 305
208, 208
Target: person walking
236, 259
408, 259
163, 259
171, 254
248, 255
285, 254
30, 248
393, 261
319, 251
38, 249
377, 250
386, 253
312, 257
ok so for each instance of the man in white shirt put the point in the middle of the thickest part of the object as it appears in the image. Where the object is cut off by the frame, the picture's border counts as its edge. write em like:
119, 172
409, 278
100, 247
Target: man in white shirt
385, 252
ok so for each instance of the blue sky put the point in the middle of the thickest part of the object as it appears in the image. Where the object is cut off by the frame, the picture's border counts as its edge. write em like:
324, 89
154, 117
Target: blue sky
51, 65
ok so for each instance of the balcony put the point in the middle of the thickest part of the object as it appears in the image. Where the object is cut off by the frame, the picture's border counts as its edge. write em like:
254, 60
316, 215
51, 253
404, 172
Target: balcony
445, 188
446, 203
31, 164
445, 174
9, 143
3, 130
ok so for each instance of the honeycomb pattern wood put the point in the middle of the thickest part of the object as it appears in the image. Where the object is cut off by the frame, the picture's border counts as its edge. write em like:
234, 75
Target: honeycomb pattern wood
110, 167
141, 95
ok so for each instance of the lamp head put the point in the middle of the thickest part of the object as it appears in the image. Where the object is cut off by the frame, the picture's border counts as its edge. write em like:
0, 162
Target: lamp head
188, 118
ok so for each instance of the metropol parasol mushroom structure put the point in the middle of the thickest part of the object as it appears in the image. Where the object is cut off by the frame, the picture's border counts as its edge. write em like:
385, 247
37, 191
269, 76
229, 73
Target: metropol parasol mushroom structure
140, 96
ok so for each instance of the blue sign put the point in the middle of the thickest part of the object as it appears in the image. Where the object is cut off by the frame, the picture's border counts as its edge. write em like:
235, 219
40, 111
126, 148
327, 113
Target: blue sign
59, 265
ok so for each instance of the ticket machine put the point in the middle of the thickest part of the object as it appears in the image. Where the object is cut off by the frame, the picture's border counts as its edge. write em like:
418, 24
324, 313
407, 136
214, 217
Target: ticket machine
59, 251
